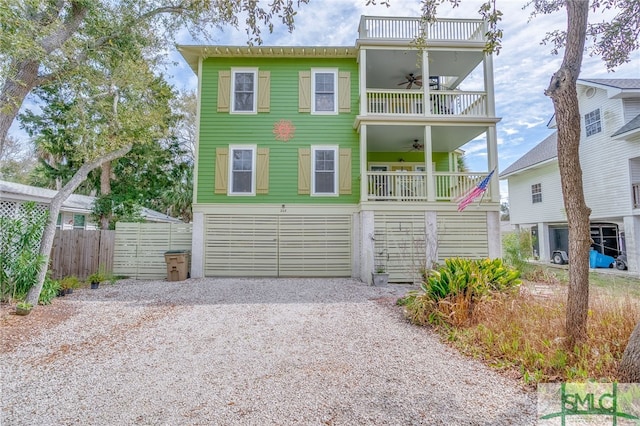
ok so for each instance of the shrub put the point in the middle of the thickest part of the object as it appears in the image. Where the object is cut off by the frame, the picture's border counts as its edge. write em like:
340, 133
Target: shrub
449, 294
517, 248
50, 290
69, 282
19, 247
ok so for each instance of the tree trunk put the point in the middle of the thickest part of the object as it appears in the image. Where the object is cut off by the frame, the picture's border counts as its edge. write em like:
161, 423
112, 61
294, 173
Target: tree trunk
14, 90
105, 189
46, 243
629, 370
562, 91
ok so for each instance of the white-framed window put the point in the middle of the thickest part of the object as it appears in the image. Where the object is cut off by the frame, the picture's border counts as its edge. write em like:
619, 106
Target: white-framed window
592, 124
244, 93
324, 170
242, 170
79, 221
536, 193
324, 95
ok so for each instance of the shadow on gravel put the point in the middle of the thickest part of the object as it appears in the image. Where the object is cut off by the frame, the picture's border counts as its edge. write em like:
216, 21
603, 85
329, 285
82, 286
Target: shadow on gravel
213, 291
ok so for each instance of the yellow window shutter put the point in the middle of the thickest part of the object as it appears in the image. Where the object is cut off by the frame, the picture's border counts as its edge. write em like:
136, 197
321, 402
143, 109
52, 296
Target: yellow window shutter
344, 91
222, 170
304, 171
345, 171
264, 91
304, 91
262, 172
224, 90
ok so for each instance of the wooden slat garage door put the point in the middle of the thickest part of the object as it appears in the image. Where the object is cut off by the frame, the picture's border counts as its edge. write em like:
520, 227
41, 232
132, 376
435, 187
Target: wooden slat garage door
315, 246
269, 246
241, 246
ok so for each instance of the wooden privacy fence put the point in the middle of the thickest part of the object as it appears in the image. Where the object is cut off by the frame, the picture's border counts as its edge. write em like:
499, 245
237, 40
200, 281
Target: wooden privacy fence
80, 252
140, 247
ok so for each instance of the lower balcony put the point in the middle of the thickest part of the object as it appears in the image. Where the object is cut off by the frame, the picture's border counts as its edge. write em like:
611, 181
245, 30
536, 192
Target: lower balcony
410, 186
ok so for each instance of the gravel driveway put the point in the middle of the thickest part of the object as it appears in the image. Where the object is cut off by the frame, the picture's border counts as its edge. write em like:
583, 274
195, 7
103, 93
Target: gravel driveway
242, 351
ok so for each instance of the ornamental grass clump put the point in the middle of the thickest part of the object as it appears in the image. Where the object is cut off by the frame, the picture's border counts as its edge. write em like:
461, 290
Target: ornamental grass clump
526, 333
450, 294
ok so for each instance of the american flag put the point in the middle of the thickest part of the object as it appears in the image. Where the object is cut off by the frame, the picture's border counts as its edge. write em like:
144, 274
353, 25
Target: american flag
478, 190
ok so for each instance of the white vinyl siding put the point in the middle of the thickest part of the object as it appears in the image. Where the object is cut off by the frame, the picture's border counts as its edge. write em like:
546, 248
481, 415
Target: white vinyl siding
243, 90
551, 209
631, 109
242, 167
604, 161
324, 93
324, 173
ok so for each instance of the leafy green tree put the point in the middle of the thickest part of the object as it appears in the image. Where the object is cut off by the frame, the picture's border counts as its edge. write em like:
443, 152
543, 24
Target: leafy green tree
44, 41
16, 162
117, 104
52, 131
152, 167
504, 211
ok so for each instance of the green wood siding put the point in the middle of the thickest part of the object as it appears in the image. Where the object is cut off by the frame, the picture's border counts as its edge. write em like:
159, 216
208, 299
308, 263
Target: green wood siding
221, 129
440, 158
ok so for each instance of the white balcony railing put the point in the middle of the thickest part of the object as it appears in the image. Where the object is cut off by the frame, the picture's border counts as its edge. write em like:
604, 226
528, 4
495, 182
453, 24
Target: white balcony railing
412, 186
393, 28
441, 102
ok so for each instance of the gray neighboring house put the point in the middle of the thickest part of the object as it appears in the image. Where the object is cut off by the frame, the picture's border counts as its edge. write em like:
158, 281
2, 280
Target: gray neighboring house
610, 161
75, 212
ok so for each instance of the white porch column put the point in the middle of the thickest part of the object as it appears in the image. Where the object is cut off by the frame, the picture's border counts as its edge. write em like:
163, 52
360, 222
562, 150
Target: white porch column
492, 162
197, 245
364, 181
426, 109
543, 242
363, 81
494, 239
431, 238
488, 84
356, 227
428, 164
632, 242
367, 245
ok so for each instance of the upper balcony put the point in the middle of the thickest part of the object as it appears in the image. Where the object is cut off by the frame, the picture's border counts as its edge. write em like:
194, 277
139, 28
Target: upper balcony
407, 29
397, 102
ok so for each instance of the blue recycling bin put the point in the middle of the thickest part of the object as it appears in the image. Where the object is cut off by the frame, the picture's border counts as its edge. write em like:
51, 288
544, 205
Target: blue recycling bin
599, 260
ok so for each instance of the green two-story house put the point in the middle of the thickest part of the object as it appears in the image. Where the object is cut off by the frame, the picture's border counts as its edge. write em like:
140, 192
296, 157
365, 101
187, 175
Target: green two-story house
331, 161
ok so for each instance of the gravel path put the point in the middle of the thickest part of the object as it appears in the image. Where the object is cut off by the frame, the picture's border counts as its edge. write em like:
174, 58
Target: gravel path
242, 351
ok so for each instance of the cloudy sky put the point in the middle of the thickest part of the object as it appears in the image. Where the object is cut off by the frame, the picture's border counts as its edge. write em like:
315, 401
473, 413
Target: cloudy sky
522, 69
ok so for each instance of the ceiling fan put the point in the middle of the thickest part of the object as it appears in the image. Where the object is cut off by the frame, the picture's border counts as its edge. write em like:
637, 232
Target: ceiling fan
412, 79
416, 146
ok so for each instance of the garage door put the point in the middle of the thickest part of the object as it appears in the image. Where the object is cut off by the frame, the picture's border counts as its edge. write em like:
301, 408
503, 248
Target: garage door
285, 246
